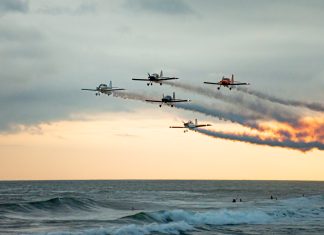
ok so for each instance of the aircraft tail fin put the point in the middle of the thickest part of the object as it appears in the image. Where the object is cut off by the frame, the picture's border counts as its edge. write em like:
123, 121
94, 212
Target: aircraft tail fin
232, 78
161, 74
196, 122
173, 95
110, 84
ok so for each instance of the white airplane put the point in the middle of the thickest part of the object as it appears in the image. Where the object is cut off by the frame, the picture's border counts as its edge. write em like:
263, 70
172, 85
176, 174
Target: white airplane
168, 100
157, 78
227, 82
190, 125
104, 89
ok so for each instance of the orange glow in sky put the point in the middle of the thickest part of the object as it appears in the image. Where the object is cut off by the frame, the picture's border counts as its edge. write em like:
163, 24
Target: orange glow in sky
137, 146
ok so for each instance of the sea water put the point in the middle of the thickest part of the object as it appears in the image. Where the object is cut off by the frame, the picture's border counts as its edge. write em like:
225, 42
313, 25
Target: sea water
161, 207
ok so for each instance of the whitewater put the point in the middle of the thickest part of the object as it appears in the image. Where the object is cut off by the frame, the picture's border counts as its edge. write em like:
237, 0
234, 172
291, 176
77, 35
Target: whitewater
161, 207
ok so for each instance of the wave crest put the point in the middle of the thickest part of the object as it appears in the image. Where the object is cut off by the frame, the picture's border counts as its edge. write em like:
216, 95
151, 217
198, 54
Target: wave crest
218, 217
53, 204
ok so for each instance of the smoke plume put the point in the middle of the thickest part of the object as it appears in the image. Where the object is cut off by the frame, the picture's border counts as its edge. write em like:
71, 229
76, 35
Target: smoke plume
267, 111
312, 106
255, 139
303, 134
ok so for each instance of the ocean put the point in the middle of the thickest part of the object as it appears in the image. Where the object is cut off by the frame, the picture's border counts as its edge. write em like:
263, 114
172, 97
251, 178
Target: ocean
134, 207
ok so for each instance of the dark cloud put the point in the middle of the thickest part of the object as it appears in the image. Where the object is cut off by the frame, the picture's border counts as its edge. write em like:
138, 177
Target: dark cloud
84, 8
13, 6
25, 58
45, 60
171, 7
24, 110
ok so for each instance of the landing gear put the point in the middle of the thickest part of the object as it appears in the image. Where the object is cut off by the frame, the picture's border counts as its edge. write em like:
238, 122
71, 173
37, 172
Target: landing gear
160, 105
148, 84
230, 88
160, 84
171, 105
97, 93
218, 88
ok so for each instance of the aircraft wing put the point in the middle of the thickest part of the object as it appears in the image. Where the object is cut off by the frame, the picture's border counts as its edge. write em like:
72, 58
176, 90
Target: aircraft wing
113, 89
177, 101
240, 83
177, 127
139, 79
166, 78
84, 89
202, 125
156, 101
214, 83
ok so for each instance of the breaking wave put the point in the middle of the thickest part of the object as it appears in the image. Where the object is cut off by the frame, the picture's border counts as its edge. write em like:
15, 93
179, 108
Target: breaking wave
218, 217
288, 211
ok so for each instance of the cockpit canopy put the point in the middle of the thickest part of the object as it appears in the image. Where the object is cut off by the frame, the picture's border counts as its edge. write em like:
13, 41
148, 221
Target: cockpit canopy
168, 97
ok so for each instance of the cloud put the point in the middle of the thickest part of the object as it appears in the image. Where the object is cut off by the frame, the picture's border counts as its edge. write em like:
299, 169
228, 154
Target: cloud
13, 6
171, 7
46, 60
44, 105
83, 8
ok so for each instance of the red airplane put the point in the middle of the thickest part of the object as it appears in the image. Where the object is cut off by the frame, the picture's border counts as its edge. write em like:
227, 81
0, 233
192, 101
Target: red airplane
227, 82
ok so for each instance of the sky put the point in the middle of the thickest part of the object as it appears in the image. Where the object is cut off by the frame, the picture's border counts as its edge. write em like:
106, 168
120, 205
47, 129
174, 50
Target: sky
270, 130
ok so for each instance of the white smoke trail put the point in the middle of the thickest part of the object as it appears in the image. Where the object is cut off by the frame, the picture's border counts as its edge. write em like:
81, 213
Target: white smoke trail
297, 145
130, 95
267, 111
249, 120
312, 106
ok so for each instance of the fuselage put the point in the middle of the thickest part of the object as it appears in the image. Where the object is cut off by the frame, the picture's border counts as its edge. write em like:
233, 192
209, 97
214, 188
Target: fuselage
103, 89
189, 125
225, 82
167, 99
153, 77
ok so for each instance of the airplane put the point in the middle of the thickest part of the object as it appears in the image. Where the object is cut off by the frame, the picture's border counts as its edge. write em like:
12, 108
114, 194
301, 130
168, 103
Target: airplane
190, 125
157, 78
227, 82
168, 100
104, 89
